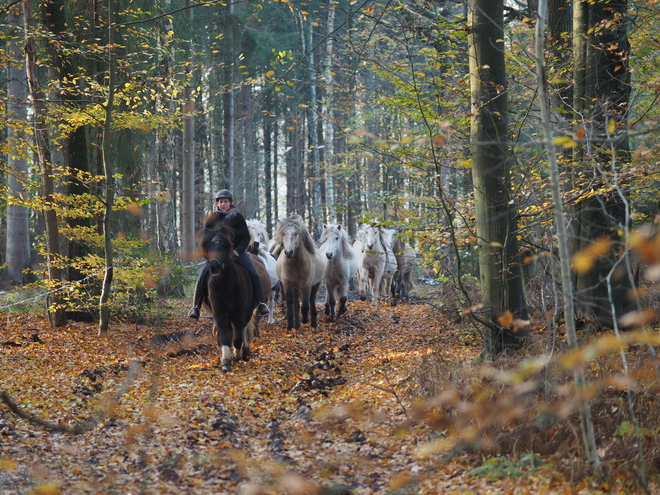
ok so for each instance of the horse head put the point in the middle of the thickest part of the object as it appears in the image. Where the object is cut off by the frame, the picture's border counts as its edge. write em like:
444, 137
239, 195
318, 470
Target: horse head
331, 239
218, 248
371, 237
290, 241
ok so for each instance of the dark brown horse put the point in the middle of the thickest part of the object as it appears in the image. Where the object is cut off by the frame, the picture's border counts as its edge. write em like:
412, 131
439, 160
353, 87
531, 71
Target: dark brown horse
230, 295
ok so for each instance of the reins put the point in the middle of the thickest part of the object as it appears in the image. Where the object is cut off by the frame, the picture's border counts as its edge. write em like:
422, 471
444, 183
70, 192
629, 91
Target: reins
222, 265
216, 263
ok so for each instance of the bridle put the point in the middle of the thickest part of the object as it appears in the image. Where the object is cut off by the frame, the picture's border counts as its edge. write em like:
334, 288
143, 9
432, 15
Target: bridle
214, 262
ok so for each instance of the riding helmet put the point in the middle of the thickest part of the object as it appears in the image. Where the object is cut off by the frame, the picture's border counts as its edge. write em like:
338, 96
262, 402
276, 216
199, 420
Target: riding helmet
224, 193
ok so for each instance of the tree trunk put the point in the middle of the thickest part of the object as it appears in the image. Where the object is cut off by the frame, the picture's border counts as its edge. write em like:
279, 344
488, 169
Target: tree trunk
602, 93
276, 166
329, 117
18, 229
313, 128
501, 283
586, 422
268, 166
57, 315
229, 103
249, 196
188, 156
104, 310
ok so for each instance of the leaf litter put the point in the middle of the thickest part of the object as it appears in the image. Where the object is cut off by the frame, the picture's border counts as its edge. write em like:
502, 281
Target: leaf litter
328, 410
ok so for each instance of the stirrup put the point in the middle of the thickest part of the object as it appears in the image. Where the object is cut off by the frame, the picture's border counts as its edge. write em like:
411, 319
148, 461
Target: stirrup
262, 310
194, 313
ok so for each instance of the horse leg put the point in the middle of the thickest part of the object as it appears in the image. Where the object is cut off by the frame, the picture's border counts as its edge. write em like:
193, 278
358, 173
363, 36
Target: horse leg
403, 289
363, 282
224, 337
252, 329
385, 289
328, 297
243, 344
304, 299
237, 340
331, 303
291, 307
375, 289
296, 308
312, 305
342, 300
271, 305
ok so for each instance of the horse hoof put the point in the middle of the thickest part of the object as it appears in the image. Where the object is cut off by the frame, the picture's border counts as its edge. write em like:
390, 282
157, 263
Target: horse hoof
226, 367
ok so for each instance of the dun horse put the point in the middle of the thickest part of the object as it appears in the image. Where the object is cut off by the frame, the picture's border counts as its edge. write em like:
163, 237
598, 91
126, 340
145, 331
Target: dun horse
300, 268
406, 257
387, 236
230, 296
341, 266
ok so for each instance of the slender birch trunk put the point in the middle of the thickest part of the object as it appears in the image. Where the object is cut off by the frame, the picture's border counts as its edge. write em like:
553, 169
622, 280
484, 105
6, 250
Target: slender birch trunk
329, 117
104, 310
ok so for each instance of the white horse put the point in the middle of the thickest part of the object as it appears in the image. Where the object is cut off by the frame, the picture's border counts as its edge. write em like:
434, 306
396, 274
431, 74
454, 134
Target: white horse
259, 241
387, 236
372, 262
342, 265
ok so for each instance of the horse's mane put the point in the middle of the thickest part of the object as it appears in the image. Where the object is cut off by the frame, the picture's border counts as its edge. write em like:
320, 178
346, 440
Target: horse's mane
346, 248
391, 235
259, 227
399, 245
208, 235
295, 221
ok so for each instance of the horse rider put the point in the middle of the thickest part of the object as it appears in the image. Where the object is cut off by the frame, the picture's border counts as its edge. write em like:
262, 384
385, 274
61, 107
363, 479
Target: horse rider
225, 213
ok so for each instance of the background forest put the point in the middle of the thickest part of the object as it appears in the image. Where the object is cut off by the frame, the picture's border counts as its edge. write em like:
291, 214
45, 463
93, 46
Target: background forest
513, 144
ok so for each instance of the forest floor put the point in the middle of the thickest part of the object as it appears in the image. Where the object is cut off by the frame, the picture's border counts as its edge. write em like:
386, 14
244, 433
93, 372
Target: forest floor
333, 410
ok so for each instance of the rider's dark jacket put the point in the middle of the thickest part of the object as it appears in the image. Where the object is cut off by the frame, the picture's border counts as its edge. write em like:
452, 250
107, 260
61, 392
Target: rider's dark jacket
231, 218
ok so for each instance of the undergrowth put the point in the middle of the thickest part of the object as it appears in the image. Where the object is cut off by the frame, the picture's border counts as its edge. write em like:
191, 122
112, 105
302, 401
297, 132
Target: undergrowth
523, 406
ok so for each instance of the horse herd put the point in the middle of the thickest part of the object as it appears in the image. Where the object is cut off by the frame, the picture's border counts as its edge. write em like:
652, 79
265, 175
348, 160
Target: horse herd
293, 264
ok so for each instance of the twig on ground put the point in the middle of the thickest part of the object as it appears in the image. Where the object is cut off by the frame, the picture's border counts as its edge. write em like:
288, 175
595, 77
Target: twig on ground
82, 427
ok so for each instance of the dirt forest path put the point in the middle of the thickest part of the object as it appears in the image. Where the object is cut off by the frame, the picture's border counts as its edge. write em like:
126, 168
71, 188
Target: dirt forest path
313, 411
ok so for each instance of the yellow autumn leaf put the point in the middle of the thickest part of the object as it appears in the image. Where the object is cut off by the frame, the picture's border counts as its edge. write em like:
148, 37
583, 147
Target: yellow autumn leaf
565, 142
7, 464
582, 262
600, 246
611, 126
47, 489
270, 73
